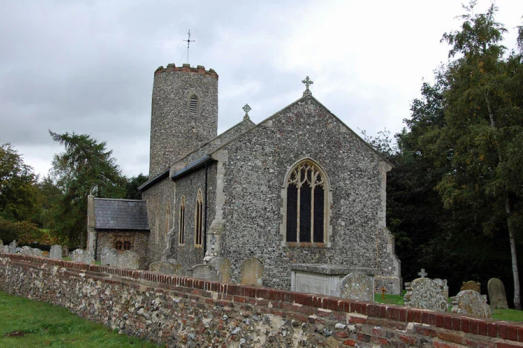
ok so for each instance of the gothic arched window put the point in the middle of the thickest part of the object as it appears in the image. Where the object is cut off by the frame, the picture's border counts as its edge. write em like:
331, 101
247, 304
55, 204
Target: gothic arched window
306, 204
198, 220
181, 232
193, 105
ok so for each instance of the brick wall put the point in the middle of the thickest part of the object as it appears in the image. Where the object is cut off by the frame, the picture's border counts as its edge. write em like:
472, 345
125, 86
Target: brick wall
180, 311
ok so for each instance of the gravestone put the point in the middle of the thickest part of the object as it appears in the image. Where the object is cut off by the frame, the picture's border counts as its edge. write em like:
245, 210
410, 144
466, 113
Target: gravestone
206, 272
128, 259
470, 302
30, 251
444, 287
108, 257
222, 266
425, 293
65, 251
56, 252
5, 249
12, 247
82, 256
166, 267
1, 243
496, 294
357, 286
471, 285
252, 272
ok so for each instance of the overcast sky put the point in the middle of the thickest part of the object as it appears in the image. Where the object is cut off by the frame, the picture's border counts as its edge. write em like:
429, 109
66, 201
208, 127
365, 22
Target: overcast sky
87, 66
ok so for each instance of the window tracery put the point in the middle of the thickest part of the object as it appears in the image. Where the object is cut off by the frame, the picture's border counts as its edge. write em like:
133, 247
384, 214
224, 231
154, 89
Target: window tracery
198, 224
181, 232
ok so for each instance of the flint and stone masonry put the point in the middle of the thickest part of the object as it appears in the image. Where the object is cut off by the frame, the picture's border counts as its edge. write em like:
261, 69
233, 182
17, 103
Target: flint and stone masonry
242, 176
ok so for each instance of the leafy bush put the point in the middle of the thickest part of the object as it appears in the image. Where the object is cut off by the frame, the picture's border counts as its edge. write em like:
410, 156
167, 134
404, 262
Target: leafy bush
7, 231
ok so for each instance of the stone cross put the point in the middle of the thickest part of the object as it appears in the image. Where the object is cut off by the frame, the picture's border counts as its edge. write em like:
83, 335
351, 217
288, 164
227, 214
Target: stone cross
383, 291
307, 83
246, 108
423, 274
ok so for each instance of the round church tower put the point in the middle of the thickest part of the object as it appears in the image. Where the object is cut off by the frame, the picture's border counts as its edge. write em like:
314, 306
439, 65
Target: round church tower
184, 113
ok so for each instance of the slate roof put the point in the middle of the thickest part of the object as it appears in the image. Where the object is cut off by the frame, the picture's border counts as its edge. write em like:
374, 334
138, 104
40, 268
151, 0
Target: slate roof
120, 214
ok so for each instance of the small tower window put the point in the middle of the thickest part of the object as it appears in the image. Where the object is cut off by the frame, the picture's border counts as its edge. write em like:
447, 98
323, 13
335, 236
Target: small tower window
193, 105
198, 225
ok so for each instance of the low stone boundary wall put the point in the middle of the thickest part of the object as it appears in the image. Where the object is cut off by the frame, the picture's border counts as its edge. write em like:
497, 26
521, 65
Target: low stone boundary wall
186, 312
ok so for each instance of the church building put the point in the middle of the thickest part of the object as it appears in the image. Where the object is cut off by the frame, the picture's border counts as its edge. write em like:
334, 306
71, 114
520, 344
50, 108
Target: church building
299, 190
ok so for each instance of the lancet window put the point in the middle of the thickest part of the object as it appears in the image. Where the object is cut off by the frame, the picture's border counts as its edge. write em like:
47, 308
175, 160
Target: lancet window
198, 223
181, 231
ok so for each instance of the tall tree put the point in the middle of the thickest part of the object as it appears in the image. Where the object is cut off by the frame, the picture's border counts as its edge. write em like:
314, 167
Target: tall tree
86, 167
131, 188
483, 129
17, 185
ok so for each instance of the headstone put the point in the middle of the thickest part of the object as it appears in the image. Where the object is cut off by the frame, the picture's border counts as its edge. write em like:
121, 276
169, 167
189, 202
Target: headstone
56, 252
223, 266
426, 294
5, 249
471, 285
82, 256
65, 251
165, 267
26, 251
357, 286
444, 287
496, 294
12, 247
470, 302
128, 259
1, 243
252, 272
206, 272
109, 257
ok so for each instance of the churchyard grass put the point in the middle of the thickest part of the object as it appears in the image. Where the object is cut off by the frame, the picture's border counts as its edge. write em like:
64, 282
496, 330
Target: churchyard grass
27, 323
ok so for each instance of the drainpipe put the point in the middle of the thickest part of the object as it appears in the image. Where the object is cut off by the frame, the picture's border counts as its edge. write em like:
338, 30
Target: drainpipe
205, 215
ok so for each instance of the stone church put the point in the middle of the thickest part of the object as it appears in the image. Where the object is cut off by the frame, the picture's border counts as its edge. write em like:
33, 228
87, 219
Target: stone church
298, 193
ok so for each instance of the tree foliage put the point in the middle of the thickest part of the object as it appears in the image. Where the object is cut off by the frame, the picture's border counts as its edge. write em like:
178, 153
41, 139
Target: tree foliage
17, 185
85, 167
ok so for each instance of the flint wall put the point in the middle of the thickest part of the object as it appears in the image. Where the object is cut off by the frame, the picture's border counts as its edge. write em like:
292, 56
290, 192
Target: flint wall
180, 311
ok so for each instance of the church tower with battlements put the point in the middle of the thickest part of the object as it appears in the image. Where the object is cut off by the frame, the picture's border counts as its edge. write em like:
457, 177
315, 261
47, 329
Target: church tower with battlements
184, 113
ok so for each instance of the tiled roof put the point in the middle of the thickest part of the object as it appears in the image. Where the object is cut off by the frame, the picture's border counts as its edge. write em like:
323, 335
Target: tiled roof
120, 214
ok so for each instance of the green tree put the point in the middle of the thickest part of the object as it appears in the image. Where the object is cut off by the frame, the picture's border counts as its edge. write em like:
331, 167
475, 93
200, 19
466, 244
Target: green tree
17, 185
86, 167
483, 129
131, 188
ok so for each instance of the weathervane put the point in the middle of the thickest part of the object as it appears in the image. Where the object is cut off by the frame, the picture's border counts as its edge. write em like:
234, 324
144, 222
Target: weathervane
188, 43
307, 83
246, 108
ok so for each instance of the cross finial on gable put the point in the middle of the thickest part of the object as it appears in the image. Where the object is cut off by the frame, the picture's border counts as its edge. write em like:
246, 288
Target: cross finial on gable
246, 108
423, 274
307, 83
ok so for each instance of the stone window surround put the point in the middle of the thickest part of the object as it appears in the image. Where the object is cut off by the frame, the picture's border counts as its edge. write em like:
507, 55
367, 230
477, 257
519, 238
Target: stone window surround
198, 220
190, 96
126, 243
327, 207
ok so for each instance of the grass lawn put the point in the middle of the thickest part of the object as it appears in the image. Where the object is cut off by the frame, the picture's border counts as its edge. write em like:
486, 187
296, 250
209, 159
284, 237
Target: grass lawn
498, 314
26, 323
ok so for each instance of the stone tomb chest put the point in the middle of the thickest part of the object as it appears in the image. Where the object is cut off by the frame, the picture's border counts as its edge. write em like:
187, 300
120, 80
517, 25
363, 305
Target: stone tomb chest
321, 279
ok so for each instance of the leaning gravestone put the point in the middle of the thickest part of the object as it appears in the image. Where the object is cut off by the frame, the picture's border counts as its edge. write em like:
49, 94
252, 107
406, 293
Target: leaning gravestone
12, 247
108, 257
426, 294
206, 272
56, 252
470, 302
496, 294
357, 286
128, 259
471, 285
165, 267
82, 256
252, 272
223, 266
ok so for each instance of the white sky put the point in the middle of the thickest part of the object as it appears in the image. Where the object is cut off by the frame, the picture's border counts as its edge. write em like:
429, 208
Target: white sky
87, 66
